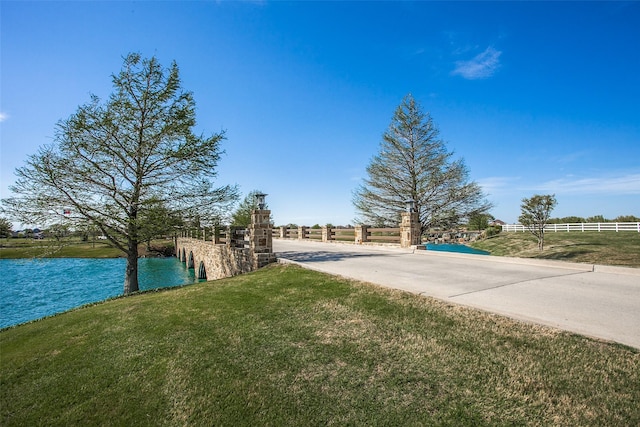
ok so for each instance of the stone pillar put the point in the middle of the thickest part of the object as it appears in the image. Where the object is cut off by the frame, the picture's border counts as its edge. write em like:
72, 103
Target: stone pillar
228, 237
260, 235
326, 234
410, 230
302, 232
360, 234
261, 238
283, 232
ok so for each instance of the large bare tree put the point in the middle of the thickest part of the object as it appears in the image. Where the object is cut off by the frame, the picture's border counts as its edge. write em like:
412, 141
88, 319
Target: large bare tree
413, 163
112, 164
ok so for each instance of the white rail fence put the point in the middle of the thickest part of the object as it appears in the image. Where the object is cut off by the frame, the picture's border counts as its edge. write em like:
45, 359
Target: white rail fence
581, 226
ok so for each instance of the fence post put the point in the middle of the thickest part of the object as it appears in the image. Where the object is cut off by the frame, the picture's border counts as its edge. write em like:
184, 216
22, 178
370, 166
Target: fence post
260, 235
326, 234
410, 230
228, 237
302, 232
283, 232
360, 234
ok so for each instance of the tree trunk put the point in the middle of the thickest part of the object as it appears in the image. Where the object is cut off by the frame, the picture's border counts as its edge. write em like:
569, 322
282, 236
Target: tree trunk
131, 273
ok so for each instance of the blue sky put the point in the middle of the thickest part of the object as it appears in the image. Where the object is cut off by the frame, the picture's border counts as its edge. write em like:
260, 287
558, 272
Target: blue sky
537, 97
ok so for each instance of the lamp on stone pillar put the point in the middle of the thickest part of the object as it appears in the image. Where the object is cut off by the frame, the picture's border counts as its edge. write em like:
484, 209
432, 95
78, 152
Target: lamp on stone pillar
411, 205
260, 200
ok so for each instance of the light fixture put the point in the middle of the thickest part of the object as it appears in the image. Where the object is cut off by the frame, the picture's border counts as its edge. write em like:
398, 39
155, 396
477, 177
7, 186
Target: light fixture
260, 200
411, 205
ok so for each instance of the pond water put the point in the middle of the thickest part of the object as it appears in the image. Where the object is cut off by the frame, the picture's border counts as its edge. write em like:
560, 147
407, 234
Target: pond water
452, 247
35, 288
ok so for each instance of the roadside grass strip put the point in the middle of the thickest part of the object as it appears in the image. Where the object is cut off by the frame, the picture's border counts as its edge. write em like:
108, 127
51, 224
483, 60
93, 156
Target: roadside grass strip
285, 346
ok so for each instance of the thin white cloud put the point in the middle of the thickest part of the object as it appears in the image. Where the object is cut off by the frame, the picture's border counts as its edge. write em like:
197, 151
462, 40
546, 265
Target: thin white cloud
482, 66
621, 185
494, 185
3, 117
571, 157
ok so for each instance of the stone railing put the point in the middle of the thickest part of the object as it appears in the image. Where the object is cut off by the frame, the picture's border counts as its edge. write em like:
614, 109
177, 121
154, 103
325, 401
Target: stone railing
407, 235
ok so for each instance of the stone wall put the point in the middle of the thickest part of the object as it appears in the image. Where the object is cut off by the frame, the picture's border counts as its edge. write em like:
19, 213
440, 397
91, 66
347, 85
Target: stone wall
212, 260
216, 261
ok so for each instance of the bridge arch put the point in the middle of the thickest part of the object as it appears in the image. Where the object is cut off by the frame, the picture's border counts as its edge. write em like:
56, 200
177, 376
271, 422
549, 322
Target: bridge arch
190, 262
202, 271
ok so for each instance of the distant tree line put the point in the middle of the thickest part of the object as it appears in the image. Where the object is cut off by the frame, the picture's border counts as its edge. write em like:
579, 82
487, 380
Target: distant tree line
596, 218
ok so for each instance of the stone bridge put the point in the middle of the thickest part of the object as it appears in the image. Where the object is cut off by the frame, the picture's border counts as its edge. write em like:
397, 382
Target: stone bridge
245, 250
217, 259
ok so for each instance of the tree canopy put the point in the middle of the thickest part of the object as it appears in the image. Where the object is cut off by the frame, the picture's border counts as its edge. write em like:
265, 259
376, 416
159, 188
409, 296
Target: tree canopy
479, 221
413, 163
5, 227
122, 163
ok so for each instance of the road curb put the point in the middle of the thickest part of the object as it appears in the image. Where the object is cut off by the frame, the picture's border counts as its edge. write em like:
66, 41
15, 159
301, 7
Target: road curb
616, 270
513, 260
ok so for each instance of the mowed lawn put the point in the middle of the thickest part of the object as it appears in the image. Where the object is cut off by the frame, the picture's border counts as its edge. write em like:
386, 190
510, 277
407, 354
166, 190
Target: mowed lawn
285, 346
591, 247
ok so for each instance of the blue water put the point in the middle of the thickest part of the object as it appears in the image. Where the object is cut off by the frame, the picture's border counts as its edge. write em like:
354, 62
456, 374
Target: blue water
452, 247
34, 288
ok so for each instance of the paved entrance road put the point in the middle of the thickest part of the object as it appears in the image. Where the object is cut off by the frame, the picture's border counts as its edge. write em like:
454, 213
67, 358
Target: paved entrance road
597, 301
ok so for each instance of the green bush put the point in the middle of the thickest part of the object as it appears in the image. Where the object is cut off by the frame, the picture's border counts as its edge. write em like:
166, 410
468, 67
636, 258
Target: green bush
492, 231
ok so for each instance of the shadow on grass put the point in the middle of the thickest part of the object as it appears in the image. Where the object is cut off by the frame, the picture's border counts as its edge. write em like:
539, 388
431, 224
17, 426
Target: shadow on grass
564, 255
571, 245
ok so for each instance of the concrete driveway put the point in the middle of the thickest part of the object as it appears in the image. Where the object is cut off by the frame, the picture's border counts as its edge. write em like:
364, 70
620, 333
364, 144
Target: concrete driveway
597, 301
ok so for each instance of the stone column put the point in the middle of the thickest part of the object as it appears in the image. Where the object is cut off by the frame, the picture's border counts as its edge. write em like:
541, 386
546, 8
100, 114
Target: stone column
261, 238
326, 234
228, 237
302, 232
410, 230
360, 234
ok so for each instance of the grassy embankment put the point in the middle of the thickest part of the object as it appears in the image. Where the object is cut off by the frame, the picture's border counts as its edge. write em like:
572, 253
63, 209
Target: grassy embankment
606, 248
73, 248
287, 346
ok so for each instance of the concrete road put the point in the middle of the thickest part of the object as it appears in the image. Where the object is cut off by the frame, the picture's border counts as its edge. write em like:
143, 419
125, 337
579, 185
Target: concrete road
597, 301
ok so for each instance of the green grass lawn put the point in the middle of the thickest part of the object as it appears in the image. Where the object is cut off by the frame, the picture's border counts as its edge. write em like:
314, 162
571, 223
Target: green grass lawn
285, 346
606, 248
